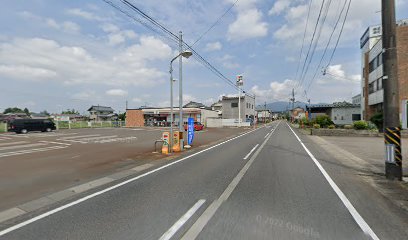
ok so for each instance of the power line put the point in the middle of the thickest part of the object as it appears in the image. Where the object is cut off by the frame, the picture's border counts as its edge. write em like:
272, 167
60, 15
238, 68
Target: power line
215, 23
341, 31
327, 45
311, 42
317, 39
173, 37
303, 41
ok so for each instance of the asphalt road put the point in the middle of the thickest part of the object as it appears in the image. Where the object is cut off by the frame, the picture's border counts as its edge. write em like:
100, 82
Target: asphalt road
36, 164
262, 185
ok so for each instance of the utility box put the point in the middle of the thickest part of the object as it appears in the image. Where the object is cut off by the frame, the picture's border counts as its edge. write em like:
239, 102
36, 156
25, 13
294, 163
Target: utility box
176, 141
165, 147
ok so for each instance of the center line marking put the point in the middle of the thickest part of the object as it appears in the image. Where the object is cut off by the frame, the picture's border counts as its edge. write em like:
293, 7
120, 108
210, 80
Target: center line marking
170, 233
249, 154
202, 221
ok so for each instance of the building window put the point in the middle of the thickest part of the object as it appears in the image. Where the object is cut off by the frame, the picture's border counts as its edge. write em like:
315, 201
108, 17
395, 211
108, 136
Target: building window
356, 117
342, 118
375, 63
371, 87
234, 105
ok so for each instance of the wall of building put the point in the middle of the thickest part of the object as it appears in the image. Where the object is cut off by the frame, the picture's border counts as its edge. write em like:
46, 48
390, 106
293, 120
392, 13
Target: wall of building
343, 116
402, 54
134, 118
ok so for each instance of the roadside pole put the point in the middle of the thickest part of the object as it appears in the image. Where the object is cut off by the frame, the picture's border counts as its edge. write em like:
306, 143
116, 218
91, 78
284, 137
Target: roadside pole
392, 131
181, 123
239, 84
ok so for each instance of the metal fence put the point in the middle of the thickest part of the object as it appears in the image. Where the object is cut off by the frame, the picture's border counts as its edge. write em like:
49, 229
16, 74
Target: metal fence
91, 124
3, 127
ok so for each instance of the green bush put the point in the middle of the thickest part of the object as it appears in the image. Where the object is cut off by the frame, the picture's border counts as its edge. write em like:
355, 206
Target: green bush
332, 126
323, 120
348, 126
377, 119
360, 125
316, 126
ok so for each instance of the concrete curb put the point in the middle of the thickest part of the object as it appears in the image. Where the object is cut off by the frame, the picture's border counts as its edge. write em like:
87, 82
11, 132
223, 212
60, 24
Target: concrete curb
53, 198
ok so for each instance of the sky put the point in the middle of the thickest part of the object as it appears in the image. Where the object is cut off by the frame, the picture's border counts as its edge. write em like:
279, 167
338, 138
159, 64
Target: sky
57, 55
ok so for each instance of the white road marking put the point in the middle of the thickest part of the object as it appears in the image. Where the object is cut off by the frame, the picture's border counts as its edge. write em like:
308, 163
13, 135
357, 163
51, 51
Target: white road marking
22, 146
357, 217
137, 129
66, 144
58, 209
115, 139
198, 226
12, 143
4, 138
8, 154
87, 140
93, 135
249, 154
266, 135
170, 233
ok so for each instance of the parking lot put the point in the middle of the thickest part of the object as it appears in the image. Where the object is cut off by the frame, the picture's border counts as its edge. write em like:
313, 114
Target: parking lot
36, 164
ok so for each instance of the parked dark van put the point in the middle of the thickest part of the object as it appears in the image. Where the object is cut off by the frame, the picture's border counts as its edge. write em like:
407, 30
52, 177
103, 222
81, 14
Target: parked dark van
27, 125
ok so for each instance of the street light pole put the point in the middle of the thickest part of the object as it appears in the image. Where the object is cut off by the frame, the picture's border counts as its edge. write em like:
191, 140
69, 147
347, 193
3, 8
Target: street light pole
171, 107
181, 127
185, 54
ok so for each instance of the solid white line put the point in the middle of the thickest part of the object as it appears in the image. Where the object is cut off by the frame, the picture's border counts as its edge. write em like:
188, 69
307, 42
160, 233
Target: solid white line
66, 144
11, 143
357, 217
46, 214
249, 154
266, 135
7, 154
93, 135
199, 225
169, 234
22, 146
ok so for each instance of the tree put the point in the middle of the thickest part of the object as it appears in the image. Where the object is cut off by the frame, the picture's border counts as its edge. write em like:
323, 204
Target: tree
27, 111
13, 110
122, 116
70, 111
377, 119
45, 113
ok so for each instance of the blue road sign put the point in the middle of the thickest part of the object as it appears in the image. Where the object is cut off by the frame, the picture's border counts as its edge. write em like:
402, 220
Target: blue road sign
190, 131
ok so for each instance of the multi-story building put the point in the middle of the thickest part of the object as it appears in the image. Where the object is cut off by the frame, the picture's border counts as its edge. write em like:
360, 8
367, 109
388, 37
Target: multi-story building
230, 108
372, 96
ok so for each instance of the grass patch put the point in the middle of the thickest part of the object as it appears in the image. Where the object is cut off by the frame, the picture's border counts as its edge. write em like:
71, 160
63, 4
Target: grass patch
3, 127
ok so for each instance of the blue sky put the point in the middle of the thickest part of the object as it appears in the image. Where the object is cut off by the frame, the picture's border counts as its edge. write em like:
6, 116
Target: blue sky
56, 55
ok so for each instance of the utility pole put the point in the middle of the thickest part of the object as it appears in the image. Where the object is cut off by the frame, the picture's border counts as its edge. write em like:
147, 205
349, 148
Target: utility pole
240, 82
126, 104
392, 131
293, 103
181, 124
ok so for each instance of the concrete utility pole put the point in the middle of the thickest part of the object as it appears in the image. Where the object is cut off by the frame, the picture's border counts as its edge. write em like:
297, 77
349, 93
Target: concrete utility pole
181, 124
239, 84
293, 103
392, 131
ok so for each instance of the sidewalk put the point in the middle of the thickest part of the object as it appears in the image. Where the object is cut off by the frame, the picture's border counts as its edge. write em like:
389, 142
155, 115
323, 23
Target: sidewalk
371, 149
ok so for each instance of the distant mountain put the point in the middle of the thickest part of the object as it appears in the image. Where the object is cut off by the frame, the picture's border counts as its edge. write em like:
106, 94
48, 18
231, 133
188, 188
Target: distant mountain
281, 106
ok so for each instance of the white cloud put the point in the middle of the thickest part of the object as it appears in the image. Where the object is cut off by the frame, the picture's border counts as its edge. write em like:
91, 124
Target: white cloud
42, 59
279, 6
213, 46
66, 26
84, 14
117, 92
116, 35
277, 91
248, 23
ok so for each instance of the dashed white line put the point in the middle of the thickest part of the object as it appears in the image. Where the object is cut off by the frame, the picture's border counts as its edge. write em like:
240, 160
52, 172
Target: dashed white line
170, 233
266, 135
249, 154
357, 217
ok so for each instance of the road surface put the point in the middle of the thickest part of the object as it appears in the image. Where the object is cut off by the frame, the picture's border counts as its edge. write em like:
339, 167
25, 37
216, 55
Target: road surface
264, 184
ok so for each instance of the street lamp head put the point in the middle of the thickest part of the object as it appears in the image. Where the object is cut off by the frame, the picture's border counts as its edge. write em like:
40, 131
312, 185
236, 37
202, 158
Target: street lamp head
186, 54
